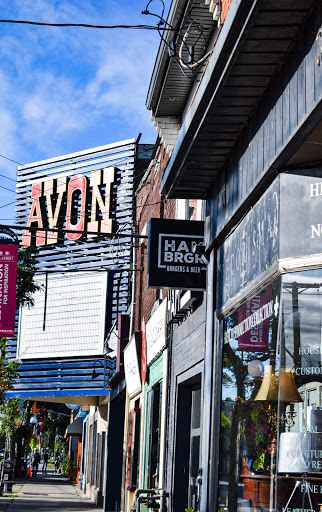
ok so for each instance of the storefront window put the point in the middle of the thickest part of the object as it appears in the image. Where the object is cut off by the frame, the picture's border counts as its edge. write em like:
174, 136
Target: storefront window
271, 414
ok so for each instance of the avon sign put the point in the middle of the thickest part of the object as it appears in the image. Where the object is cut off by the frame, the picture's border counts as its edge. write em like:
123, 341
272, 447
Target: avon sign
76, 203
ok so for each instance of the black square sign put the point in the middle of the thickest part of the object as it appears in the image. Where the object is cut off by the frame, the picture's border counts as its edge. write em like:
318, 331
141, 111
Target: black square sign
173, 261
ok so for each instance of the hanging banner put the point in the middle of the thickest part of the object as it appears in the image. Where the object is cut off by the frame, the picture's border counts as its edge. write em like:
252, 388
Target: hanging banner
131, 368
255, 339
144, 352
8, 284
156, 332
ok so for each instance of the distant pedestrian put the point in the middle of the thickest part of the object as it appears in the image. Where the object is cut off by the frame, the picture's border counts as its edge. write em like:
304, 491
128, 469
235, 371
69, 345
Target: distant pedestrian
44, 464
35, 463
57, 462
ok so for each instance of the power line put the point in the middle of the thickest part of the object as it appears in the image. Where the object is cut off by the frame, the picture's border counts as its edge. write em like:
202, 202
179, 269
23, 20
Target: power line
11, 160
82, 25
108, 235
8, 204
7, 177
9, 189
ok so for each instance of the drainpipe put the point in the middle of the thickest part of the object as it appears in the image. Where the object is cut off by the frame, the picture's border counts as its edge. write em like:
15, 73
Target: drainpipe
133, 293
158, 494
137, 497
206, 459
134, 262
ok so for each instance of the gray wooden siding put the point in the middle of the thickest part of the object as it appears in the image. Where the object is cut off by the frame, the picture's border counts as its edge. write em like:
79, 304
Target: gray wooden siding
268, 141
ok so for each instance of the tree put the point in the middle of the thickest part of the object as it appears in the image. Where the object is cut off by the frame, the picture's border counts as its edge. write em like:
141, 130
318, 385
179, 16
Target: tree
26, 287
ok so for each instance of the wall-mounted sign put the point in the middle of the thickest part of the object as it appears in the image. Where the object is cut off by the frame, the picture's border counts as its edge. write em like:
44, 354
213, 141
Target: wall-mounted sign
131, 368
251, 248
156, 332
77, 203
144, 351
8, 281
173, 261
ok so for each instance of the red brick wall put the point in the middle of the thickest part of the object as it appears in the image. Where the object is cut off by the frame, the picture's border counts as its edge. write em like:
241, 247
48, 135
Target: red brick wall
149, 204
225, 4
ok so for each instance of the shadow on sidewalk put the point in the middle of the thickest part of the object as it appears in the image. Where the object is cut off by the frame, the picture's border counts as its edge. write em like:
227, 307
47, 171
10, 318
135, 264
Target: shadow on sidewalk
50, 478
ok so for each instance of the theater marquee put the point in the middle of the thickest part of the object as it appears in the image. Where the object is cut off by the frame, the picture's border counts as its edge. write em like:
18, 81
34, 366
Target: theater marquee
77, 203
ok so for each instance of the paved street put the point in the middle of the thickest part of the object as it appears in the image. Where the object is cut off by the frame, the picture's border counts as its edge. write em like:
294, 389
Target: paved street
46, 493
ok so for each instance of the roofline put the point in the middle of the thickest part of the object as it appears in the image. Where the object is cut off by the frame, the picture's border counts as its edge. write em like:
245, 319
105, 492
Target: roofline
239, 13
162, 58
77, 154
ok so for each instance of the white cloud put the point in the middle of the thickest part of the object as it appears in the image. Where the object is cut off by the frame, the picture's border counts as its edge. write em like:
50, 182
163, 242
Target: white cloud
63, 84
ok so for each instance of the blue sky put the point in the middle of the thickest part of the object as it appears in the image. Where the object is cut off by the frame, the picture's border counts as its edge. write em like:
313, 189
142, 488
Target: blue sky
68, 89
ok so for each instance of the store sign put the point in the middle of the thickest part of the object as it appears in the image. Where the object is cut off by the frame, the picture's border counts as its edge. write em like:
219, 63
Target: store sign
8, 284
74, 202
251, 249
174, 260
300, 452
156, 332
301, 225
284, 224
131, 368
144, 352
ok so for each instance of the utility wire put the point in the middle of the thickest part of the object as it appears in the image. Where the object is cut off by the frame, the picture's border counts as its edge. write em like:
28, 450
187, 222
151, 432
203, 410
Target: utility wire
7, 177
11, 160
9, 189
8, 204
83, 25
82, 232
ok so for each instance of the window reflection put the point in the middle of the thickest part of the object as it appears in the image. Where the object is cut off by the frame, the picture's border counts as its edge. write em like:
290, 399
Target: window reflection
271, 414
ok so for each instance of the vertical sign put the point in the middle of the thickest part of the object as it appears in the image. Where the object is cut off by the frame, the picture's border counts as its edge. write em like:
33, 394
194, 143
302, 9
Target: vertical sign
144, 352
8, 284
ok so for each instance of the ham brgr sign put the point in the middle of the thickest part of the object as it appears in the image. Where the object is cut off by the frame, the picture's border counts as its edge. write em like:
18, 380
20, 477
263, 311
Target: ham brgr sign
8, 281
173, 258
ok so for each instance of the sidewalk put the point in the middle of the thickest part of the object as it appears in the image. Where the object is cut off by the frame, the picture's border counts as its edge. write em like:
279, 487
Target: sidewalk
46, 493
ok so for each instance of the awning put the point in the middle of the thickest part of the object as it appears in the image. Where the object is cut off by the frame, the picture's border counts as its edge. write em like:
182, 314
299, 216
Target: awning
75, 428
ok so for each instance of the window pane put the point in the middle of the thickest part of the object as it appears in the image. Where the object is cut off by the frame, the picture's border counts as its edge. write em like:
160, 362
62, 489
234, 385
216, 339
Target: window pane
300, 407
248, 411
196, 407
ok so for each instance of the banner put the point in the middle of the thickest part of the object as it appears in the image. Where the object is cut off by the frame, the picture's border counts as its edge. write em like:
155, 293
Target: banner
144, 352
255, 339
8, 285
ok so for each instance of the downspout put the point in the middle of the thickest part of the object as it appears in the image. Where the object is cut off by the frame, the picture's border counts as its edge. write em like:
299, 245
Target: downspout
206, 459
133, 293
106, 454
134, 258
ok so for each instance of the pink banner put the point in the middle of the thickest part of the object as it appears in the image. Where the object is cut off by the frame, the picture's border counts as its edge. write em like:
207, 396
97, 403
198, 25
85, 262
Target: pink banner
8, 284
256, 339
